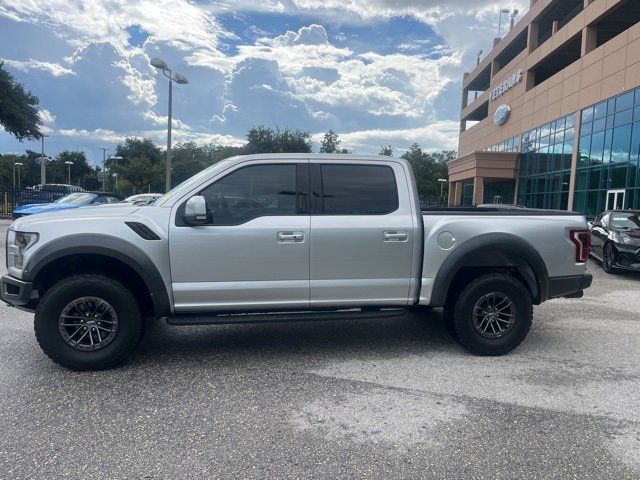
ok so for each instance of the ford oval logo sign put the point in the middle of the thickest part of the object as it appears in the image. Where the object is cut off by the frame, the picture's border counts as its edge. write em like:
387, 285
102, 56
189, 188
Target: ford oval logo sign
502, 114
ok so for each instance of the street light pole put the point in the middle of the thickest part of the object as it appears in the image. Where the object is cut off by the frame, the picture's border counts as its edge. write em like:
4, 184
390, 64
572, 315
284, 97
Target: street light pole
168, 174
68, 163
17, 164
502, 11
182, 80
115, 159
442, 181
43, 165
104, 166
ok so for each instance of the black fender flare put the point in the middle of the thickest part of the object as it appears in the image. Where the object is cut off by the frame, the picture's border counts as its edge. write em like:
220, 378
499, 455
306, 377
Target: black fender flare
475, 253
108, 246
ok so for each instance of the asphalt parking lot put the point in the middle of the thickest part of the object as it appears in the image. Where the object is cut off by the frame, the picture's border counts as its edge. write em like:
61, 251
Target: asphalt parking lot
392, 398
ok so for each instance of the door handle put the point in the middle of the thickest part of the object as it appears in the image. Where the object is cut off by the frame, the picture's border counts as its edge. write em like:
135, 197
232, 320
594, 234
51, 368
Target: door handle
396, 236
290, 237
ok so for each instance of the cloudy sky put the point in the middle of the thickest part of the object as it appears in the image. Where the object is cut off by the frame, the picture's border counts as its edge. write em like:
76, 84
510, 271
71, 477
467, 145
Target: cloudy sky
376, 71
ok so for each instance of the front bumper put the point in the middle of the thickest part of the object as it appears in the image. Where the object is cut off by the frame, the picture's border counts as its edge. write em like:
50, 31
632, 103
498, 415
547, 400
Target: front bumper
569, 287
16, 293
628, 257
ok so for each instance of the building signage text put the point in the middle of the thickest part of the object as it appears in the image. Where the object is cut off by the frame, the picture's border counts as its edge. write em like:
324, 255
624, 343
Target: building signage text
507, 85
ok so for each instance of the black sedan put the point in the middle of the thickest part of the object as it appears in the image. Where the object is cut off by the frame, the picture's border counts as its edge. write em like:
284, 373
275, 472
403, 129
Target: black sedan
615, 240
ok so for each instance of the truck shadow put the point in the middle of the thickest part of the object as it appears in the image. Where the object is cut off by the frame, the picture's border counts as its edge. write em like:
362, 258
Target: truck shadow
389, 337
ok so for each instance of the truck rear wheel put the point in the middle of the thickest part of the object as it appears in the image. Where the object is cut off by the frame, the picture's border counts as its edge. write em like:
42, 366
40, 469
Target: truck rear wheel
88, 322
492, 315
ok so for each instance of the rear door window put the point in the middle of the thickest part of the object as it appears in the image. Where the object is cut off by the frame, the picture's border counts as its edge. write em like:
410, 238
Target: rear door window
357, 190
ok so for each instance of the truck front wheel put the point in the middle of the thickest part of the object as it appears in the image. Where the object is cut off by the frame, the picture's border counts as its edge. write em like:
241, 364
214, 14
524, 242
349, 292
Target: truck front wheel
88, 322
492, 315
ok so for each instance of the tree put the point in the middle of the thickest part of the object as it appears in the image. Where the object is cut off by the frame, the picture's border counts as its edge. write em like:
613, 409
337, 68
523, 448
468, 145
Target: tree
138, 148
18, 109
58, 170
386, 151
141, 173
428, 168
331, 143
268, 140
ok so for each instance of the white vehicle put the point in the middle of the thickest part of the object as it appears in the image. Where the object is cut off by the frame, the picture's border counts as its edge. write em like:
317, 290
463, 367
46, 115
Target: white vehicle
142, 198
287, 237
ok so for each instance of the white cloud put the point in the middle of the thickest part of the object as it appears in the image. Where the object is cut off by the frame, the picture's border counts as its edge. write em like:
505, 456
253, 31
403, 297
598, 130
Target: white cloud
54, 69
311, 35
96, 134
305, 78
439, 135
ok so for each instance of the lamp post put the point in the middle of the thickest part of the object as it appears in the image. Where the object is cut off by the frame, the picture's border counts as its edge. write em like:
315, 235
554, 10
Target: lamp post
503, 11
68, 163
43, 164
104, 166
115, 159
442, 181
478, 59
17, 164
513, 16
182, 80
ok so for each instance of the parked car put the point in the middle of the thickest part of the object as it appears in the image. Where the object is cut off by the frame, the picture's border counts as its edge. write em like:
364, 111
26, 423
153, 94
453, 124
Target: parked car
615, 240
317, 237
47, 193
142, 198
73, 200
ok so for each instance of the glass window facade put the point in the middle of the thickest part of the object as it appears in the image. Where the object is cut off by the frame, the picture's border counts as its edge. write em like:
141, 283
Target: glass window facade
509, 145
607, 168
608, 154
545, 164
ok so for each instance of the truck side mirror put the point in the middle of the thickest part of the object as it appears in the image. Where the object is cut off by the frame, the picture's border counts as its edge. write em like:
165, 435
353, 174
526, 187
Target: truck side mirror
195, 211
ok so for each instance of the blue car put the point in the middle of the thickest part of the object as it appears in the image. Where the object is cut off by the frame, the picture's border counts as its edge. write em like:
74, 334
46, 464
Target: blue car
73, 200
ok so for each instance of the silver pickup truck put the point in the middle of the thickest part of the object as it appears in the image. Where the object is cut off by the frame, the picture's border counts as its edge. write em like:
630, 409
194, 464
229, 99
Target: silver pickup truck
287, 237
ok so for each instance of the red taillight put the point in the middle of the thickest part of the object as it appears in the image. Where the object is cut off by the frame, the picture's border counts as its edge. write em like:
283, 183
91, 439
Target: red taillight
582, 240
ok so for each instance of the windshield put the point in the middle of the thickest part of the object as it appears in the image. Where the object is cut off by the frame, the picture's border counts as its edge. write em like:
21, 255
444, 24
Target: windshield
189, 183
77, 198
625, 220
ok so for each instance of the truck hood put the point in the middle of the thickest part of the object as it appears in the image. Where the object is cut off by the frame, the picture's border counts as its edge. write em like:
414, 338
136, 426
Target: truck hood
92, 212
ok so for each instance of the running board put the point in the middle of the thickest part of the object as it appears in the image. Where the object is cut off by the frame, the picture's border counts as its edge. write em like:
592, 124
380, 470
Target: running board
243, 318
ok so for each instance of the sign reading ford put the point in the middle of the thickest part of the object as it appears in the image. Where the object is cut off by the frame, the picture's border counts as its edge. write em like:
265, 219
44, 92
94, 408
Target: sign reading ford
507, 85
502, 114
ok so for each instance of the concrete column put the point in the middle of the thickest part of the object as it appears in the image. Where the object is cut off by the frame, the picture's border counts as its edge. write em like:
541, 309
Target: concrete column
495, 67
589, 39
478, 190
532, 36
457, 197
574, 160
451, 195
554, 27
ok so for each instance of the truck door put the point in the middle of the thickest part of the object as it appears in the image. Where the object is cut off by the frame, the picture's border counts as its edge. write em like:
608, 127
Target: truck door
362, 234
254, 251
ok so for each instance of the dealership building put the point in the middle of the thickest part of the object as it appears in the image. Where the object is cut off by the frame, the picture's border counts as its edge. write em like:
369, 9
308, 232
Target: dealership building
551, 116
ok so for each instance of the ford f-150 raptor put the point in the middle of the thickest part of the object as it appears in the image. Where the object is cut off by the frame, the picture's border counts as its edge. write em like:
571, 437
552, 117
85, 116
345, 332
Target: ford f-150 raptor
283, 237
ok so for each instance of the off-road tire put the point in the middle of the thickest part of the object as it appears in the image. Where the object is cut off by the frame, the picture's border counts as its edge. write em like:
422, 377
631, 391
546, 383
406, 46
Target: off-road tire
462, 315
117, 352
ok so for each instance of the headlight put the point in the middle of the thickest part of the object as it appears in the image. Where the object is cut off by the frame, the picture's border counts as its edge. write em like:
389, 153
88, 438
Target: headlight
16, 247
624, 238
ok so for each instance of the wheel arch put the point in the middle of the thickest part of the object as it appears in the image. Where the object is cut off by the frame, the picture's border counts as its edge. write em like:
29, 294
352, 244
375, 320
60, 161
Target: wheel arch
101, 254
492, 252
